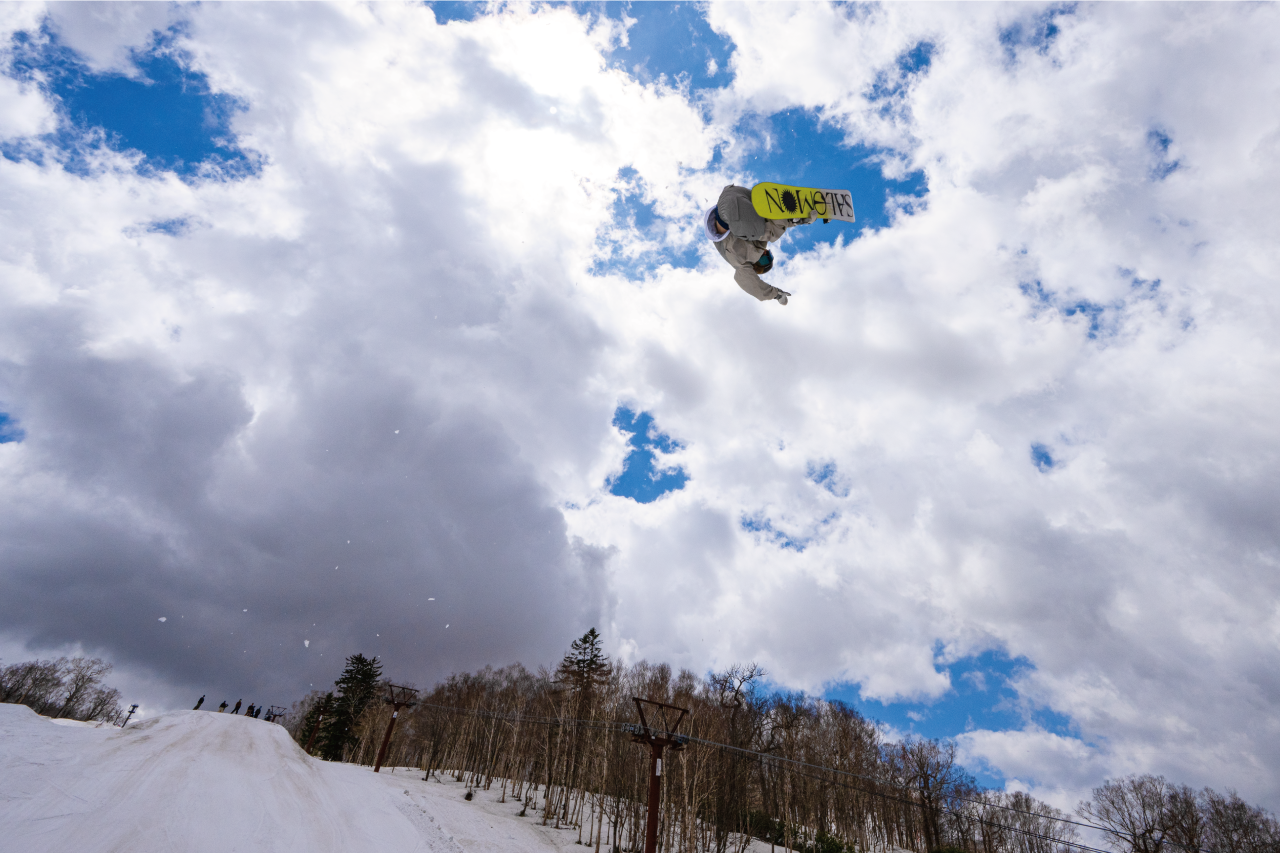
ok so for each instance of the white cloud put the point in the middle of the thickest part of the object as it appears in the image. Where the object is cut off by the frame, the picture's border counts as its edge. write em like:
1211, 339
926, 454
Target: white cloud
417, 255
105, 34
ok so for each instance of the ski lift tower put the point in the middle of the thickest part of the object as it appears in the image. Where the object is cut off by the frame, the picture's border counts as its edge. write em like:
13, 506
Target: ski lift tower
659, 737
400, 697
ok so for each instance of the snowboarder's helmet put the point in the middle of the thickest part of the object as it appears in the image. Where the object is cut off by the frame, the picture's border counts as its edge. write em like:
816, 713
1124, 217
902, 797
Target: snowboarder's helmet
739, 215
764, 263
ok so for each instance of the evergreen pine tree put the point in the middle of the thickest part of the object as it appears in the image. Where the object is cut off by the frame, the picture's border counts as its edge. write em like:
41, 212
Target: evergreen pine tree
318, 703
586, 668
357, 687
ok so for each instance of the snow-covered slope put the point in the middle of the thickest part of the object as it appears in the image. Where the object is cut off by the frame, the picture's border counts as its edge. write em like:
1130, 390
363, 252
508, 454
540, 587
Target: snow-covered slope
195, 781
188, 781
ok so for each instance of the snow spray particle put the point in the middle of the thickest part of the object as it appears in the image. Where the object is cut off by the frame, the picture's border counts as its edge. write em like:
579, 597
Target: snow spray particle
306, 644
164, 618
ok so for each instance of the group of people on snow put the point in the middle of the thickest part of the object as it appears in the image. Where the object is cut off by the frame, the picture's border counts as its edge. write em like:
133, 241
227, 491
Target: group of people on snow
251, 711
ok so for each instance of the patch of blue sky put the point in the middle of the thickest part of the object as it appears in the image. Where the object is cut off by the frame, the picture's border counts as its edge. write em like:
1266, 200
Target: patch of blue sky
452, 11
172, 227
642, 479
918, 59
764, 527
1035, 291
827, 475
797, 147
638, 218
1159, 141
671, 40
765, 530
889, 87
1092, 310
1035, 32
982, 696
9, 430
1103, 320
1144, 286
1041, 457
170, 115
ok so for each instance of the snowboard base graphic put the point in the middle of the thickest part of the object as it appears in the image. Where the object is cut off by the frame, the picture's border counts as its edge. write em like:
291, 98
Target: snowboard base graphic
782, 201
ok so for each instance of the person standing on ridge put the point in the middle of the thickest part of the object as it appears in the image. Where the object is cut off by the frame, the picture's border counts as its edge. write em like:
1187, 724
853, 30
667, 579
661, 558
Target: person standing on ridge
236, 709
199, 702
222, 708
742, 238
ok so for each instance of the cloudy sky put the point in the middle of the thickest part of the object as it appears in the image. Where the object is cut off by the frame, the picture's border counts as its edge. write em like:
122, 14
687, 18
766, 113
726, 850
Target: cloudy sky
392, 329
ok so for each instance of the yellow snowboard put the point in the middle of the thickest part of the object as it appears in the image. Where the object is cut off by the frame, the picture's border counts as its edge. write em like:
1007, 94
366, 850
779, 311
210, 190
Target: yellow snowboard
780, 201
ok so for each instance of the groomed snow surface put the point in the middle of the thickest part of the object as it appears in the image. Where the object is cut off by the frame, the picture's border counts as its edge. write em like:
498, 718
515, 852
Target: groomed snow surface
204, 781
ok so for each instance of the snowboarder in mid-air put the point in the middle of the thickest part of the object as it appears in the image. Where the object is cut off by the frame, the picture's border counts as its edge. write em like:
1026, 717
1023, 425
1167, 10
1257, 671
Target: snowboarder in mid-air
742, 238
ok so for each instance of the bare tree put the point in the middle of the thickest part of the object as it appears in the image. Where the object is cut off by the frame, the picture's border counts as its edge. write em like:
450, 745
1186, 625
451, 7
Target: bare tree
1132, 811
35, 684
62, 688
82, 676
102, 703
1234, 826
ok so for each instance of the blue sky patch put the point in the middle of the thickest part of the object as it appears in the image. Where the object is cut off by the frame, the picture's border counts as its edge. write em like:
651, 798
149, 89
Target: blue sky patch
826, 475
171, 116
890, 86
763, 526
1041, 457
9, 429
1158, 141
451, 11
641, 478
172, 227
982, 696
1143, 286
1034, 32
1101, 324
918, 59
1092, 310
632, 213
671, 40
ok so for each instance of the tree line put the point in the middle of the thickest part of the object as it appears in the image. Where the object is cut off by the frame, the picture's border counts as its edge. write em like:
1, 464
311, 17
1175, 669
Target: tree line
69, 688
797, 772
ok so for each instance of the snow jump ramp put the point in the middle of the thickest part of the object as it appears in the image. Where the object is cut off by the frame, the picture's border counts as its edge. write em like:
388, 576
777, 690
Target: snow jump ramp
185, 781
